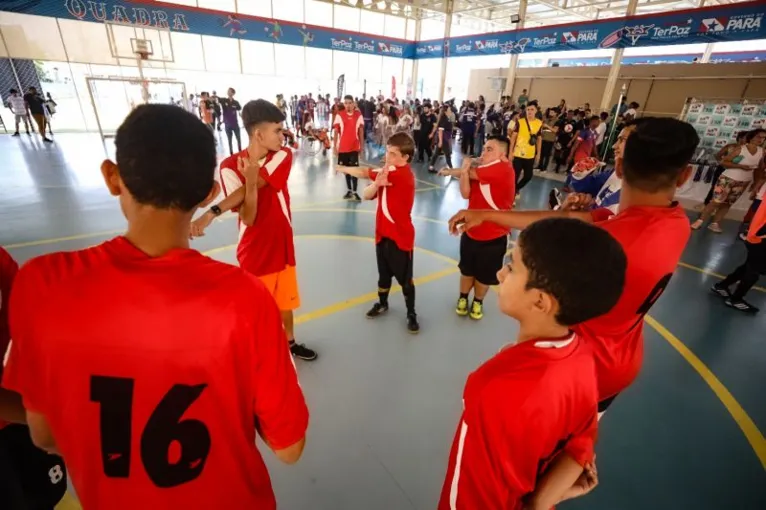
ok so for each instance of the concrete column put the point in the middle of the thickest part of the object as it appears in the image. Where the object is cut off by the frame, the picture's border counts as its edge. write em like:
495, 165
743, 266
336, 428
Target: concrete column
511, 77
445, 58
614, 70
708, 52
414, 62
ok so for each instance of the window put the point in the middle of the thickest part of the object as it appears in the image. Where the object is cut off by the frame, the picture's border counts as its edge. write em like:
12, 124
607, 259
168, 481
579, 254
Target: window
411, 26
85, 42
288, 10
319, 63
257, 57
370, 67
219, 5
346, 62
33, 36
392, 67
346, 18
431, 29
290, 60
255, 7
221, 54
187, 51
396, 26
318, 13
372, 22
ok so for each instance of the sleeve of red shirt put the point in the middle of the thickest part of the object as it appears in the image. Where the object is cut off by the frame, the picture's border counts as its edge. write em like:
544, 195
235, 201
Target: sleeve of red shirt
279, 406
372, 174
487, 174
8, 270
581, 446
277, 170
25, 373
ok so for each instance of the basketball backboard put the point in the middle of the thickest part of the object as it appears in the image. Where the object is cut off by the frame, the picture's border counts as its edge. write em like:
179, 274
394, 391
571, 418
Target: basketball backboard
124, 40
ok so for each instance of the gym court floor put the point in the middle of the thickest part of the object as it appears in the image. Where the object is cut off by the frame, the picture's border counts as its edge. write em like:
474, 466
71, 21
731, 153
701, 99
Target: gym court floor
384, 404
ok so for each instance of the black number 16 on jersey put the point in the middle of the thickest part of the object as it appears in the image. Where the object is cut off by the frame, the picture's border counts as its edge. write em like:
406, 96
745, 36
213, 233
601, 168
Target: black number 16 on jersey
189, 439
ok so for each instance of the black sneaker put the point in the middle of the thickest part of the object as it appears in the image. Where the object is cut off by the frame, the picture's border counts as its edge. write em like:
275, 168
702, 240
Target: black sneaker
47, 140
302, 352
412, 323
377, 310
741, 305
356, 198
15, 134
554, 199
348, 195
721, 291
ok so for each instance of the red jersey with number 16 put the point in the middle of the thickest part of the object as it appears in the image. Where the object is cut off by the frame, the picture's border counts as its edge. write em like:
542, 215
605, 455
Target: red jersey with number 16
154, 374
653, 239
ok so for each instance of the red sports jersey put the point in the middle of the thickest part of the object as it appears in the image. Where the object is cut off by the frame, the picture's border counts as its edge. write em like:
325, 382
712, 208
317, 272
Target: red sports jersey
348, 125
394, 217
653, 239
265, 247
495, 189
521, 408
154, 374
8, 269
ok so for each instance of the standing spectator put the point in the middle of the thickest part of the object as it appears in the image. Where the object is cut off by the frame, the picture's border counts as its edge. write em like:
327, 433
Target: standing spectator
322, 110
230, 108
416, 127
468, 129
50, 110
631, 112
585, 144
405, 120
725, 150
19, 110
206, 110
564, 134
443, 136
548, 133
480, 130
349, 136
282, 105
427, 123
601, 131
293, 108
36, 108
526, 143
214, 101
189, 105
619, 110
523, 99
740, 166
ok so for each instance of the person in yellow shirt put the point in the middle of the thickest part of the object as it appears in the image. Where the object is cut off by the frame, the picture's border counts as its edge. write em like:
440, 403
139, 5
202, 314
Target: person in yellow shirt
525, 146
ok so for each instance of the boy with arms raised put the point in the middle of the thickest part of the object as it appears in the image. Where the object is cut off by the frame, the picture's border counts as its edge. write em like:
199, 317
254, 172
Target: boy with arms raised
147, 365
255, 184
394, 187
537, 399
489, 185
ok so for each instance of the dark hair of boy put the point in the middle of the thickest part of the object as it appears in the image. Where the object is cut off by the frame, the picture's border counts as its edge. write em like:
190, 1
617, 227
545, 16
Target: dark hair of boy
585, 285
649, 162
742, 134
14, 91
752, 134
504, 141
349, 97
533, 103
404, 143
604, 116
166, 157
259, 111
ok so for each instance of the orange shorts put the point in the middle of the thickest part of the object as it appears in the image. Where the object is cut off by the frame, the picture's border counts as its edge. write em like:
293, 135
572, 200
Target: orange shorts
283, 285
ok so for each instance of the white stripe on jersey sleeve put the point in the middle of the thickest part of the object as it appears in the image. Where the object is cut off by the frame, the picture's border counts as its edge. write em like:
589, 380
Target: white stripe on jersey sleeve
458, 462
230, 181
275, 161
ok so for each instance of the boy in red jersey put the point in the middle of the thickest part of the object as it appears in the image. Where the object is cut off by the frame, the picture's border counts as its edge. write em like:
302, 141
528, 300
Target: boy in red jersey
394, 187
348, 127
652, 228
149, 366
490, 185
262, 199
538, 398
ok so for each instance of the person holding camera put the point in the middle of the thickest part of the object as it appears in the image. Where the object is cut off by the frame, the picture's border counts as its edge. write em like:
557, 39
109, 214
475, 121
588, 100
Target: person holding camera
525, 146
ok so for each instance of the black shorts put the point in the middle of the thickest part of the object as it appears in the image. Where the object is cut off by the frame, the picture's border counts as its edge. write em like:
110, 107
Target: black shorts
348, 158
29, 477
482, 259
604, 404
393, 262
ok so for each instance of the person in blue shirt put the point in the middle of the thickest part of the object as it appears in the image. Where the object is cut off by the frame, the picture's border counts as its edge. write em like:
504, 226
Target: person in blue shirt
468, 128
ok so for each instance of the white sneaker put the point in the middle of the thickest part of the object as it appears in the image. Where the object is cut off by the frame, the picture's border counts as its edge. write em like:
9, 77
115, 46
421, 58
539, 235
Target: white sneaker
697, 224
715, 227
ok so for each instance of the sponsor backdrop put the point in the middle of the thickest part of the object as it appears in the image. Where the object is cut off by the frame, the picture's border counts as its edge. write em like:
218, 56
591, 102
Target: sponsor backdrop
718, 122
736, 22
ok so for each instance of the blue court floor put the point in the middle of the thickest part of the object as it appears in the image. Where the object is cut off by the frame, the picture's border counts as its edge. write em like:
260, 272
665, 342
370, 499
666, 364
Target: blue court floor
687, 435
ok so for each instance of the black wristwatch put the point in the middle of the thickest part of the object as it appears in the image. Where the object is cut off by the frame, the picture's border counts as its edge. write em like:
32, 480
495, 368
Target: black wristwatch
216, 210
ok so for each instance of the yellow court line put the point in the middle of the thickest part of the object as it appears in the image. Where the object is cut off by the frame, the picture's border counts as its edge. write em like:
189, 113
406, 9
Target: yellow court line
746, 424
62, 239
712, 273
367, 211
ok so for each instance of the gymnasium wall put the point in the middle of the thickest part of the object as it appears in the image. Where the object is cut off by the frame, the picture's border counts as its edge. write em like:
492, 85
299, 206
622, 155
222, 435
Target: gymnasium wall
659, 89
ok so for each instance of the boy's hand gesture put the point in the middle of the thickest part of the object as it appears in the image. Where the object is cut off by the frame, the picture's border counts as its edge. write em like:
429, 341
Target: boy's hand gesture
199, 225
587, 482
577, 202
249, 169
381, 180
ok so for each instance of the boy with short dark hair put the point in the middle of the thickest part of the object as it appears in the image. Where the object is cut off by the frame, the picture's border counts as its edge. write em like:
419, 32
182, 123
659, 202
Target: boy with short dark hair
394, 187
348, 128
255, 184
537, 398
141, 341
655, 161
490, 184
